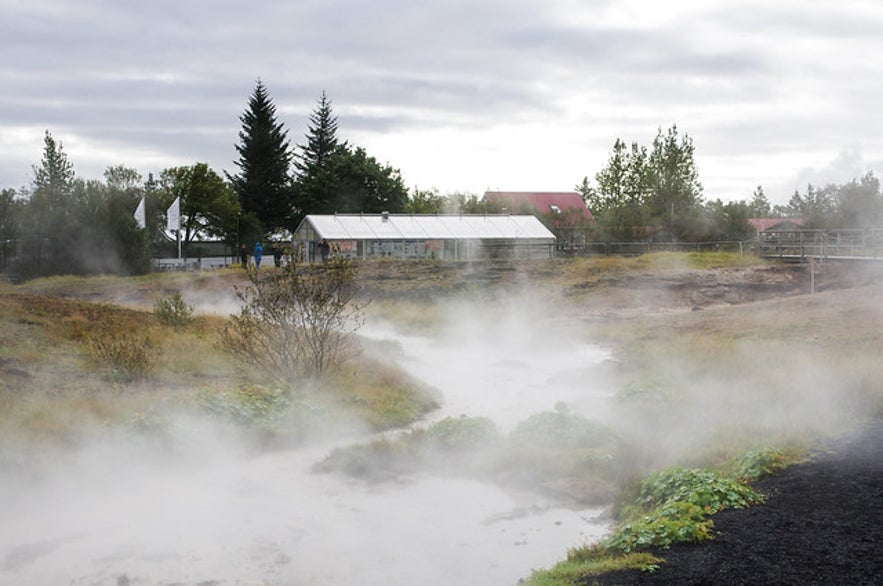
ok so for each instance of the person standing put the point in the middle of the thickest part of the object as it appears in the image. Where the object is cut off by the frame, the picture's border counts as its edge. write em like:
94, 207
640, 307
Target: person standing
258, 253
243, 255
324, 250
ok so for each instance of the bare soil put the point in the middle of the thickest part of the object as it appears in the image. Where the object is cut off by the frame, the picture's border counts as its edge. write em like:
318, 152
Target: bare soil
822, 523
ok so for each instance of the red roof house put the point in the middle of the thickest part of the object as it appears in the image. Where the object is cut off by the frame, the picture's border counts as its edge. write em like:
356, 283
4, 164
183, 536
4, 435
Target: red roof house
541, 202
764, 224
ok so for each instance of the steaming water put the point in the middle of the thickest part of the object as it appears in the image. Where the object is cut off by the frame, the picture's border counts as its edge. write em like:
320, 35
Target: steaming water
203, 510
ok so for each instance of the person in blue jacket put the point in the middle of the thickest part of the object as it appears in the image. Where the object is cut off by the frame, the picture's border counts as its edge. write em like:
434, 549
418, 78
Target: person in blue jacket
258, 253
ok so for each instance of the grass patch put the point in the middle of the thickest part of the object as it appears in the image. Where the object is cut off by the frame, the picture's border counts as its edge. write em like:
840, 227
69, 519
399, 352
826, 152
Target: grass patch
583, 563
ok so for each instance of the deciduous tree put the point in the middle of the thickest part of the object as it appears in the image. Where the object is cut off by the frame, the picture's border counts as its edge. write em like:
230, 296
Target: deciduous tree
208, 205
675, 190
296, 322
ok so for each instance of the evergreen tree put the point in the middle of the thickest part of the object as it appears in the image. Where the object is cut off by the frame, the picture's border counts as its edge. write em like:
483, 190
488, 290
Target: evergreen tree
10, 226
817, 207
48, 229
333, 177
263, 185
759, 207
322, 140
316, 180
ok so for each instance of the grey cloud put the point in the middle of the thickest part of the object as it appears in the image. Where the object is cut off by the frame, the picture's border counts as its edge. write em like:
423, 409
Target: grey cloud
173, 77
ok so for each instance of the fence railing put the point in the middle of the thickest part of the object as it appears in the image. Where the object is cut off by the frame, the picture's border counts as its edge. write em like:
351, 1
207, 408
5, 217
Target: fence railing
844, 244
638, 248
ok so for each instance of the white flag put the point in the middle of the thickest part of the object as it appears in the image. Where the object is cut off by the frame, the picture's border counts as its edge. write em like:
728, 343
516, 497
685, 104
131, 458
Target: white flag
173, 215
140, 217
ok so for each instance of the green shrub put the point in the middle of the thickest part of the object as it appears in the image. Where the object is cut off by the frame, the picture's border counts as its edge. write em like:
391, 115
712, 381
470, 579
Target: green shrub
248, 404
557, 445
704, 488
560, 428
462, 433
673, 522
759, 463
458, 445
130, 356
173, 311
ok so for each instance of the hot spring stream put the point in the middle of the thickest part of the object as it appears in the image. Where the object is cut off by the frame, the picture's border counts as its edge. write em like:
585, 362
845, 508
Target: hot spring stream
204, 510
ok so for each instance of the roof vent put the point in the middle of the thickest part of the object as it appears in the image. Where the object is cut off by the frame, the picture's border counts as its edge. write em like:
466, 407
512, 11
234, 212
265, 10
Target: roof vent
384, 216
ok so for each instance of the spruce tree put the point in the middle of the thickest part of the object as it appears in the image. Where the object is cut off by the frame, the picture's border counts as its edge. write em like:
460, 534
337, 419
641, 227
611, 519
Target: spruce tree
316, 178
50, 232
321, 138
263, 185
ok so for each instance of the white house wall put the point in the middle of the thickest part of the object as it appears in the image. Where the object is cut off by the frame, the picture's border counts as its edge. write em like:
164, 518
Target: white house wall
452, 237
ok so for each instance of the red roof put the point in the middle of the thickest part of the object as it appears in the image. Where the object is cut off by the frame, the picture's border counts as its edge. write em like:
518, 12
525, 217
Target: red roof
541, 202
763, 224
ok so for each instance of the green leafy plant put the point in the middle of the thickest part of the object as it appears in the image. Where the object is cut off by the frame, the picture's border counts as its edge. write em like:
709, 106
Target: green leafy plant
704, 488
673, 522
173, 311
759, 463
671, 506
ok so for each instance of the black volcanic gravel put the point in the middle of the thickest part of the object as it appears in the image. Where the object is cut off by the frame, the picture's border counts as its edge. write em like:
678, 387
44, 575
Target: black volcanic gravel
822, 523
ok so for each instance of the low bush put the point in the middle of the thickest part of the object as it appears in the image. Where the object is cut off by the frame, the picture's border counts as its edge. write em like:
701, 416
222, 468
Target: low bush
130, 356
173, 311
705, 489
247, 404
759, 463
458, 444
462, 433
673, 522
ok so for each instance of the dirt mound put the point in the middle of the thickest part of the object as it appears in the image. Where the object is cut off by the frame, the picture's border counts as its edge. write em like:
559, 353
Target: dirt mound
821, 524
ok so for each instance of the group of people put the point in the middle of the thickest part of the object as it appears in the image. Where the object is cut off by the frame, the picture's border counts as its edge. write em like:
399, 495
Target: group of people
323, 247
259, 255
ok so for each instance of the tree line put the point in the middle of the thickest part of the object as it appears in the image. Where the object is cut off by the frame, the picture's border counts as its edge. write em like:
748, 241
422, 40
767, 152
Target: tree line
64, 224
655, 194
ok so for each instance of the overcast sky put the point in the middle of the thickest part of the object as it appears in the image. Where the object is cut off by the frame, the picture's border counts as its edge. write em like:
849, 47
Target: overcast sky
460, 95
